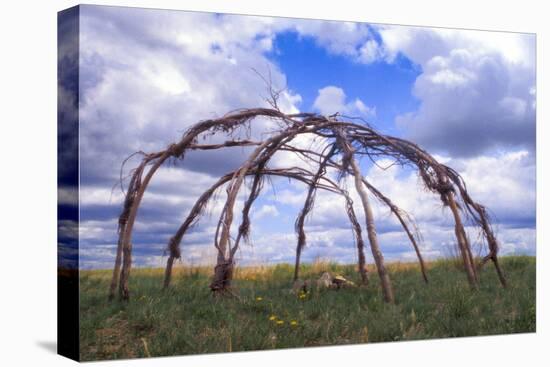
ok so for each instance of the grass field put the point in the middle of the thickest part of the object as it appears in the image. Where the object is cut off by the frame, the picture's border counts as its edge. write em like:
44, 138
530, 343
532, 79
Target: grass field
187, 320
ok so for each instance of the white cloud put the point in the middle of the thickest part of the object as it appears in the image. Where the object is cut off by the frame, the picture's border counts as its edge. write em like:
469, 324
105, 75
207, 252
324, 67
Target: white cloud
171, 69
265, 211
331, 100
169, 81
148, 75
475, 90
370, 52
504, 183
351, 39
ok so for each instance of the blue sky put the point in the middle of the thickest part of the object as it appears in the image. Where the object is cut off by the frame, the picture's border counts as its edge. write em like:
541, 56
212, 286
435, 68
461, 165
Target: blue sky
468, 97
309, 67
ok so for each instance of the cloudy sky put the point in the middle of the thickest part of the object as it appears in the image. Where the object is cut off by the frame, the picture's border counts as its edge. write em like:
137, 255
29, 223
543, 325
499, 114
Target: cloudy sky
468, 97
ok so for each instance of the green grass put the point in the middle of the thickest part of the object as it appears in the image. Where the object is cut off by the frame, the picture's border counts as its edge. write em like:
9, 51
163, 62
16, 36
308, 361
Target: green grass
186, 319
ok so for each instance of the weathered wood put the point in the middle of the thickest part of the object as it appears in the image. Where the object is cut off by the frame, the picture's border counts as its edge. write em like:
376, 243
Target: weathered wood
124, 291
116, 271
395, 210
371, 232
168, 271
463, 244
306, 209
351, 139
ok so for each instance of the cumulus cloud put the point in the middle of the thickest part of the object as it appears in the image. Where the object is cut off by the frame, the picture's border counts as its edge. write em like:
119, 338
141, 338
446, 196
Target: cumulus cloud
351, 39
371, 51
508, 192
268, 211
476, 89
147, 75
504, 183
331, 100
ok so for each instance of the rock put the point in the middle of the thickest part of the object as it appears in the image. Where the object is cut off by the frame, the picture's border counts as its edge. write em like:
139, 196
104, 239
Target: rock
341, 282
326, 281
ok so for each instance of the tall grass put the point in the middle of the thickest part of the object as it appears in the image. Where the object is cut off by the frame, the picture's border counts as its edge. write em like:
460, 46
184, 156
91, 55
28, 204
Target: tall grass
186, 319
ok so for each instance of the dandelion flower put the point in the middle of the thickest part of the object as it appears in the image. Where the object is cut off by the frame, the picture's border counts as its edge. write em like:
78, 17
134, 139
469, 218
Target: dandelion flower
259, 299
294, 323
302, 295
280, 322
272, 318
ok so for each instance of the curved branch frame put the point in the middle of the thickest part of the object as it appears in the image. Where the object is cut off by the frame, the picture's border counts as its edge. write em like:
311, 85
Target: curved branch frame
343, 143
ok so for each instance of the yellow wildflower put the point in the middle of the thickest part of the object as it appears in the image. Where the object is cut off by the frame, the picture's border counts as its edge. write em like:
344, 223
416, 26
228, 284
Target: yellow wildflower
302, 295
272, 318
294, 323
280, 322
259, 299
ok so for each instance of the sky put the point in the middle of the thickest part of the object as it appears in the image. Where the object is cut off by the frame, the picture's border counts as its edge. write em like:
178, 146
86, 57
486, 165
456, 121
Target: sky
468, 97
